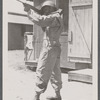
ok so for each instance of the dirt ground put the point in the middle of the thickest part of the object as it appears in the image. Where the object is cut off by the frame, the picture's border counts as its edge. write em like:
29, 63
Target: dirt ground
19, 82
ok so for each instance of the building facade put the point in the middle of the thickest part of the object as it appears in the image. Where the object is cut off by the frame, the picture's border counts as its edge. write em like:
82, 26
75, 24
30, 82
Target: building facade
76, 38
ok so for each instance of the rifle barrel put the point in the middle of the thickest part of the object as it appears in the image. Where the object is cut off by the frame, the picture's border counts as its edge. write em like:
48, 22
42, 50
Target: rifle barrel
32, 7
20, 1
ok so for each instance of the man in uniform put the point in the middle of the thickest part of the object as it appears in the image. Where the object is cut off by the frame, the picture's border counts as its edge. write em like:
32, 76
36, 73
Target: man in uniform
48, 67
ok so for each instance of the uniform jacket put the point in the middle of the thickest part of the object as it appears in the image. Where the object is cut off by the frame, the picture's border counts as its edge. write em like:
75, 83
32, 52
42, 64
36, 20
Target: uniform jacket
51, 23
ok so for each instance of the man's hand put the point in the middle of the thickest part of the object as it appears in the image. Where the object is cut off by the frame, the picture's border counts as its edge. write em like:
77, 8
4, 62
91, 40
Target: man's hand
26, 7
60, 11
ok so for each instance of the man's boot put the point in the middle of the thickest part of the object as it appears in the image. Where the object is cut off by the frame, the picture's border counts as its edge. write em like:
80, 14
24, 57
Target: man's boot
57, 97
54, 98
36, 96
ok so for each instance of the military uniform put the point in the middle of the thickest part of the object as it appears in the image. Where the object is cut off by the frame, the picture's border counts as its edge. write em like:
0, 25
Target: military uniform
48, 67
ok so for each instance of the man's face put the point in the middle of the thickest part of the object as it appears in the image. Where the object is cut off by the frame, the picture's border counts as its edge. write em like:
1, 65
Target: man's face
47, 10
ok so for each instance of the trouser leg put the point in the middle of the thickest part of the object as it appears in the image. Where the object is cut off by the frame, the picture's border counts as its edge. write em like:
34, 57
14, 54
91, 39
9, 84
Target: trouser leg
55, 79
44, 69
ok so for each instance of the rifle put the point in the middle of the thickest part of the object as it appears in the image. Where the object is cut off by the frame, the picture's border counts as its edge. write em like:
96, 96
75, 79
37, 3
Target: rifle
31, 7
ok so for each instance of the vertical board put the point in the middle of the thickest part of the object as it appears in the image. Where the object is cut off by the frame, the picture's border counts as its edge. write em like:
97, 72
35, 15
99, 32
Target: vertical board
64, 53
80, 24
29, 41
64, 5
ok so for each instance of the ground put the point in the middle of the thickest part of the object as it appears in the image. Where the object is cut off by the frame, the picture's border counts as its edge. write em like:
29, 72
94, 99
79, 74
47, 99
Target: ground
19, 82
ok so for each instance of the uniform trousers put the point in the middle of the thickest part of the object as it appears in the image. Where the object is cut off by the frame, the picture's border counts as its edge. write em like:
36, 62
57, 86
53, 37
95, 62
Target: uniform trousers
48, 68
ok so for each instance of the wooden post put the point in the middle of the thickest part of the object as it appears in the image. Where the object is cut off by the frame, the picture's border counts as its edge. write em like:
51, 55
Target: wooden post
29, 44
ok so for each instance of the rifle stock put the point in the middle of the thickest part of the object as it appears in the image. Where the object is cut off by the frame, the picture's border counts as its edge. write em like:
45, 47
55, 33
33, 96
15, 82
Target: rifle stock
31, 7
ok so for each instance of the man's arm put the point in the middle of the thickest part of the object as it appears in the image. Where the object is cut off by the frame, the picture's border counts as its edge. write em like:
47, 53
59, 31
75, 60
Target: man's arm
43, 20
27, 7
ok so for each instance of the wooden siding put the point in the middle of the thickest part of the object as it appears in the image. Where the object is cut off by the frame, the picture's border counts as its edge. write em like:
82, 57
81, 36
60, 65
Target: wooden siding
80, 30
64, 53
18, 18
64, 5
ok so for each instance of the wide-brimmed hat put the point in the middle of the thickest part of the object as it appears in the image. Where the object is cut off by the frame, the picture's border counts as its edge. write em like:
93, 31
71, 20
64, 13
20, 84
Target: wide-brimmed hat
48, 3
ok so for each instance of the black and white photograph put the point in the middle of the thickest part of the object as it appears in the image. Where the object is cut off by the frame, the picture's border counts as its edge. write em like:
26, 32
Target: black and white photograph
50, 50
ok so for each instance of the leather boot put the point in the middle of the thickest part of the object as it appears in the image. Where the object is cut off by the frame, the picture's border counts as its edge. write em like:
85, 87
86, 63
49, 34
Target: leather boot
53, 98
57, 97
